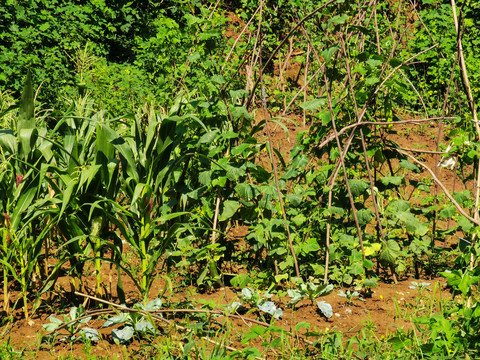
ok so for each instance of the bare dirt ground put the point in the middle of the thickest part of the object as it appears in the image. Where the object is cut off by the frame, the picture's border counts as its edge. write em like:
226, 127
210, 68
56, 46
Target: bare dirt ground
387, 310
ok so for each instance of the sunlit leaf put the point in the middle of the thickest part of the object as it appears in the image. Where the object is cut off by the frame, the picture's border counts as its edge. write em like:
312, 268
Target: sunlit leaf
122, 336
358, 187
89, 334
314, 104
325, 308
228, 209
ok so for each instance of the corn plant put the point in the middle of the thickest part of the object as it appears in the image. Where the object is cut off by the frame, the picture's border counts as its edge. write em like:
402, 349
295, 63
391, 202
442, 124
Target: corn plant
21, 180
145, 220
85, 170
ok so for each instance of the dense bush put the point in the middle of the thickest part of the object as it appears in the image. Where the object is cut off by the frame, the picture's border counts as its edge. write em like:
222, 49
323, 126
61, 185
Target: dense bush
123, 52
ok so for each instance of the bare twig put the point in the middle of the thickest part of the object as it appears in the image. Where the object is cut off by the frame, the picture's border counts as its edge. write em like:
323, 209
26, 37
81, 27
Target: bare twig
442, 186
274, 53
327, 241
379, 123
239, 37
342, 163
275, 175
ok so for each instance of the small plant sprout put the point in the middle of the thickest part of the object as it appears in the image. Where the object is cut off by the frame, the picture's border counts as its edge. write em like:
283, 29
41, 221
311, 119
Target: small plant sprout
365, 287
255, 299
295, 295
350, 295
134, 322
310, 290
73, 324
270, 308
234, 306
419, 286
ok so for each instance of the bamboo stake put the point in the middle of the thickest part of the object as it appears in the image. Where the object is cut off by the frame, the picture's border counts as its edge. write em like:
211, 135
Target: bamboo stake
471, 103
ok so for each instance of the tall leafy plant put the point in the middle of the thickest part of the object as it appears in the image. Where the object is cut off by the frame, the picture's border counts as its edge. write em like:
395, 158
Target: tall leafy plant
23, 150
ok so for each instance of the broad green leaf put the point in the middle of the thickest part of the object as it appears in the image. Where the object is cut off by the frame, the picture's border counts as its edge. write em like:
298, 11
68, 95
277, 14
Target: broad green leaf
240, 149
270, 308
372, 282
89, 334
154, 305
53, 325
248, 294
462, 196
26, 132
374, 62
234, 173
335, 210
280, 277
310, 246
371, 80
392, 180
88, 175
358, 187
238, 94
26, 108
397, 206
171, 216
241, 280
126, 154
45, 146
447, 212
219, 181
372, 249
115, 320
340, 19
364, 216
294, 199
219, 79
296, 296
205, 177
208, 137
356, 268
67, 194
391, 251
27, 139
325, 308
104, 149
299, 219
166, 137
411, 223
14, 272
144, 326
228, 209
245, 191
325, 117
409, 165
23, 203
194, 57
122, 336
314, 104
465, 224
328, 53
8, 141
